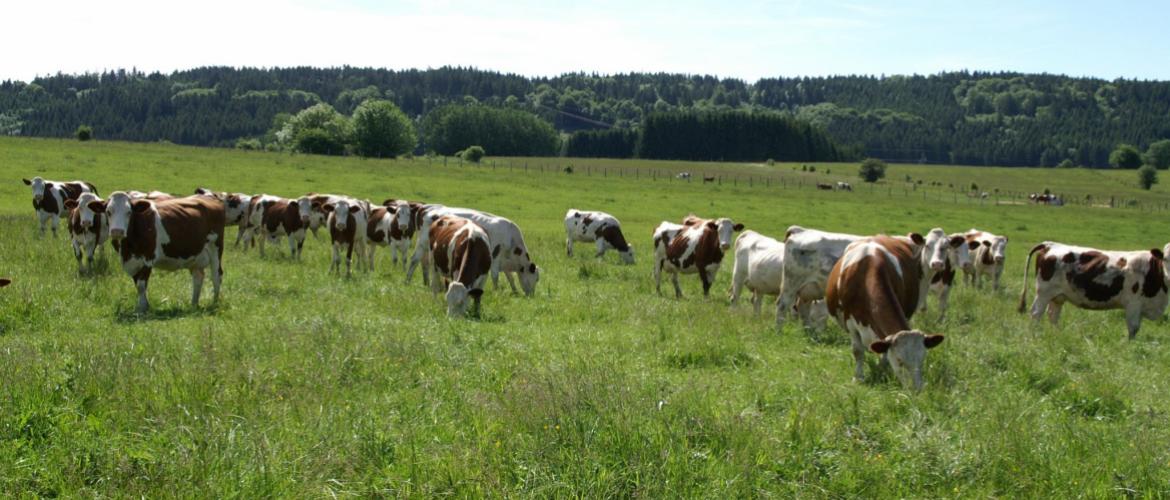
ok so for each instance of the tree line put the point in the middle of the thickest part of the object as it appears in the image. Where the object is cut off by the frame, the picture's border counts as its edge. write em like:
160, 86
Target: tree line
973, 118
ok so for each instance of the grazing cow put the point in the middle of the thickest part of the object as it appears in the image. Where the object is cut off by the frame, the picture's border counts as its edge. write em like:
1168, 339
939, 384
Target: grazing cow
696, 247
873, 291
183, 233
844, 186
708, 178
87, 228
461, 254
281, 217
684, 175
235, 210
824, 186
509, 252
345, 219
941, 255
759, 262
809, 256
990, 253
1135, 282
49, 198
597, 227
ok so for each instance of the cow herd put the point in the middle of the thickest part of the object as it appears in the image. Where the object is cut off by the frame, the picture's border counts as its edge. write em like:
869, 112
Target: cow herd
871, 285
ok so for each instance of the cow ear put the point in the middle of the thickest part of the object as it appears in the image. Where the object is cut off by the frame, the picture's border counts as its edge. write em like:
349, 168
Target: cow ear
140, 206
972, 245
27, 182
956, 241
97, 206
475, 293
737, 227
933, 340
917, 239
326, 208
1157, 253
712, 225
70, 204
354, 209
531, 267
879, 346
986, 243
388, 202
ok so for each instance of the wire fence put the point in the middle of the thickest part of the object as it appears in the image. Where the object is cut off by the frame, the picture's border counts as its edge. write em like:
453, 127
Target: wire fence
926, 190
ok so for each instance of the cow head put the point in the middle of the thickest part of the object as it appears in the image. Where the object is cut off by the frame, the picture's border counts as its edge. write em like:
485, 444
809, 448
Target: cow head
529, 275
39, 187
402, 214
85, 213
959, 253
905, 351
935, 249
341, 211
998, 248
628, 255
118, 209
724, 227
305, 208
459, 298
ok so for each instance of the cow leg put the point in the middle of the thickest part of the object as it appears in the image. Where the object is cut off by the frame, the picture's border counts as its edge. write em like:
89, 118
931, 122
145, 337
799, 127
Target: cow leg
41, 216
370, 256
335, 264
54, 221
677, 289
414, 260
658, 277
858, 357
1039, 305
90, 248
263, 237
600, 248
141, 279
707, 281
738, 276
512, 284
1133, 318
995, 278
783, 304
757, 300
216, 266
77, 255
196, 285
943, 299
348, 258
1054, 313
569, 245
495, 272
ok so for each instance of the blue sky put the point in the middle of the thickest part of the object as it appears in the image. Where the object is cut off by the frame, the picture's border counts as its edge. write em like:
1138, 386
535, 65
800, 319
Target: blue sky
742, 39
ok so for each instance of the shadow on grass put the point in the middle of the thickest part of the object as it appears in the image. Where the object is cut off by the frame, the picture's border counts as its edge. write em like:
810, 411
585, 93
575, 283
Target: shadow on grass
126, 315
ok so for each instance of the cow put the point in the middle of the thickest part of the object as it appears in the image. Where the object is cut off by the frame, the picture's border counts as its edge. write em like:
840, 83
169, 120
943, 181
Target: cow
872, 292
509, 252
989, 255
941, 255
345, 219
597, 227
1135, 282
708, 178
809, 256
254, 218
183, 233
235, 210
49, 199
88, 230
695, 247
313, 211
759, 262
281, 217
844, 186
684, 175
461, 254
401, 229
824, 186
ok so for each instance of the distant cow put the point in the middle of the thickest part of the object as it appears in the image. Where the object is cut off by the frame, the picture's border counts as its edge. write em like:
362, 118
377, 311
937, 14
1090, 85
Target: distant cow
49, 198
844, 186
1135, 282
942, 255
684, 175
824, 186
596, 227
989, 252
347, 224
809, 256
708, 178
509, 252
183, 233
88, 230
759, 263
696, 247
461, 254
282, 217
873, 290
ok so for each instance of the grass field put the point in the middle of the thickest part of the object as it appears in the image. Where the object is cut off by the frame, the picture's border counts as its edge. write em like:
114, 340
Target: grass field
302, 384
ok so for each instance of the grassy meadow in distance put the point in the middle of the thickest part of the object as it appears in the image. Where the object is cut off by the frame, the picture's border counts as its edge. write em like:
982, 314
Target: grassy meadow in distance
303, 384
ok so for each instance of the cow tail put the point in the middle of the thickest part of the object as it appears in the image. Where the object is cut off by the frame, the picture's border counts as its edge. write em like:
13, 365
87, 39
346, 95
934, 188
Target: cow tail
1027, 267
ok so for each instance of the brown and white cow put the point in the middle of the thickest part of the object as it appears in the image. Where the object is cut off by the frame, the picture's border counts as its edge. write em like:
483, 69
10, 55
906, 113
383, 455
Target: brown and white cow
461, 254
509, 252
941, 254
235, 206
346, 223
1135, 282
183, 233
872, 291
87, 229
596, 227
696, 247
989, 255
391, 225
49, 198
254, 218
282, 217
313, 211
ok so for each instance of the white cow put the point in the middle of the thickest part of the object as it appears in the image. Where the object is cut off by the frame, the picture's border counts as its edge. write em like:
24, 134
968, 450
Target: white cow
596, 227
990, 253
759, 263
941, 254
809, 256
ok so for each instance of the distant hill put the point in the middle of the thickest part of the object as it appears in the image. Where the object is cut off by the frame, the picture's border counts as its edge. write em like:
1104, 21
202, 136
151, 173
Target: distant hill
962, 118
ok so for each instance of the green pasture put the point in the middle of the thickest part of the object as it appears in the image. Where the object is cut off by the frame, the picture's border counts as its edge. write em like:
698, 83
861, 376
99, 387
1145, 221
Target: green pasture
299, 383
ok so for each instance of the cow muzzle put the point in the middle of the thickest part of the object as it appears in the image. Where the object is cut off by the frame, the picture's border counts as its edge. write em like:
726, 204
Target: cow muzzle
38, 197
87, 223
117, 234
967, 266
999, 260
937, 265
724, 246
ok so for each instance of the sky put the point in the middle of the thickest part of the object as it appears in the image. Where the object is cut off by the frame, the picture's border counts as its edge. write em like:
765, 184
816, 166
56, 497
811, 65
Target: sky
730, 38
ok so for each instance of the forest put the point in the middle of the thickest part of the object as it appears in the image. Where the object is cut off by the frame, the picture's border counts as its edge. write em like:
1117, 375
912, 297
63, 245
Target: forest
968, 118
